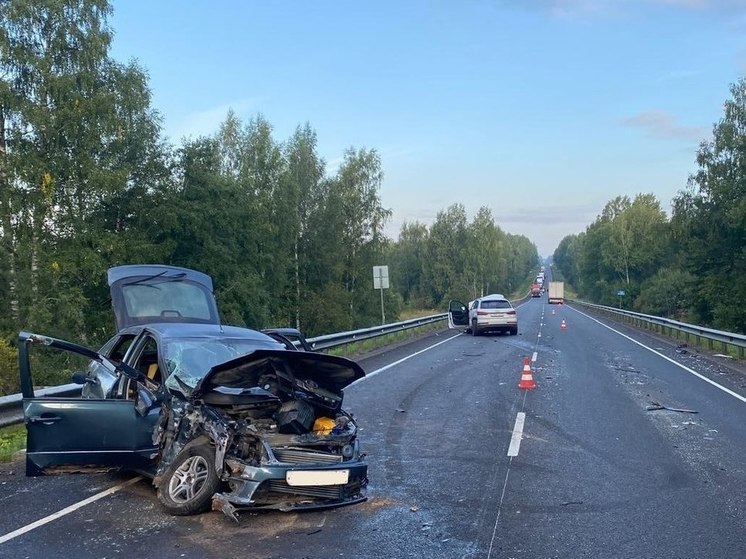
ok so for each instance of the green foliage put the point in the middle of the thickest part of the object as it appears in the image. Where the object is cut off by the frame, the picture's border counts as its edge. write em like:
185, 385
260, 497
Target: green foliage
690, 267
670, 293
78, 146
9, 379
12, 439
710, 218
455, 259
407, 256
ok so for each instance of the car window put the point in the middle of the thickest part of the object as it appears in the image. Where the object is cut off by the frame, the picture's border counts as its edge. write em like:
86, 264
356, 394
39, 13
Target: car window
120, 347
191, 358
495, 304
167, 299
104, 372
147, 361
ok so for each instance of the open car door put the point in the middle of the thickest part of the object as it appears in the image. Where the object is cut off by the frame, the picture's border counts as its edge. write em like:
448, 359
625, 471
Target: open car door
458, 314
74, 434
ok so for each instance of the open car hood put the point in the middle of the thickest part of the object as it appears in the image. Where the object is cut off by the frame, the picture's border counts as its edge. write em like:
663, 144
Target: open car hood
148, 293
317, 377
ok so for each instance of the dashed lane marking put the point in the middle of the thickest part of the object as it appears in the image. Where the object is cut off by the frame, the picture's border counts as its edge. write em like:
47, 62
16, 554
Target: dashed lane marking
515, 440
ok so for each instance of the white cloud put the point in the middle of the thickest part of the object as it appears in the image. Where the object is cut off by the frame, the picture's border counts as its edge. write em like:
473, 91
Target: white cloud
207, 121
684, 3
571, 214
573, 9
661, 124
387, 154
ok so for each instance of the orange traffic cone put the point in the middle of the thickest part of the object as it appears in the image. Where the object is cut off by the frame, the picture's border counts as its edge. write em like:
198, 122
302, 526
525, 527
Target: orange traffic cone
527, 379
563, 326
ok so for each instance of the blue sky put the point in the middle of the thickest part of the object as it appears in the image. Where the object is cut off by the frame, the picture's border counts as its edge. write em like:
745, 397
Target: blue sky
542, 110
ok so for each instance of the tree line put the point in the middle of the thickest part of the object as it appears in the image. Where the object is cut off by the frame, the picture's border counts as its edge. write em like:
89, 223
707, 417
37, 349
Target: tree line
690, 266
87, 181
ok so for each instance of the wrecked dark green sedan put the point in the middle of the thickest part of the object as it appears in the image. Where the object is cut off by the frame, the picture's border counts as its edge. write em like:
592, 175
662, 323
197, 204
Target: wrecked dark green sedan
218, 416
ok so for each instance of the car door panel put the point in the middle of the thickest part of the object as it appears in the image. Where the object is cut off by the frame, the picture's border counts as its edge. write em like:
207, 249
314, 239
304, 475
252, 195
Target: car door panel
458, 314
81, 434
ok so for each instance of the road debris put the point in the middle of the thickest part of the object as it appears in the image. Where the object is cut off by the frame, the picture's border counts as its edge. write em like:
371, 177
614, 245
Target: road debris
654, 406
571, 503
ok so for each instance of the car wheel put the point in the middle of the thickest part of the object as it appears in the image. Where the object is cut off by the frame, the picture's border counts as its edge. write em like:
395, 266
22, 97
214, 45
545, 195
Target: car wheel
190, 482
474, 329
514, 331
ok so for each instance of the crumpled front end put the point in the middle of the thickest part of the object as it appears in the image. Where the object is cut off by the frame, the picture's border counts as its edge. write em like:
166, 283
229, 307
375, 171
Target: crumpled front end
270, 454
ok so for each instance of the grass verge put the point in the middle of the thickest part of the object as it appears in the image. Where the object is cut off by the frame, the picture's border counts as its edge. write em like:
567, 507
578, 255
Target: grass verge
12, 439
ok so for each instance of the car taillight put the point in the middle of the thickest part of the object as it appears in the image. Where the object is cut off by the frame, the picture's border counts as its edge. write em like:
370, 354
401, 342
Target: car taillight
483, 313
510, 312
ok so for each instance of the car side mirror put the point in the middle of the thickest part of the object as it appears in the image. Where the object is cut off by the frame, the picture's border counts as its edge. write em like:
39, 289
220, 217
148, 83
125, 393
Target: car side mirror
144, 402
79, 377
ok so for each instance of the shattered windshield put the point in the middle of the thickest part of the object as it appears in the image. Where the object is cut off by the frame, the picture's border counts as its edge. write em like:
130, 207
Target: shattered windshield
190, 359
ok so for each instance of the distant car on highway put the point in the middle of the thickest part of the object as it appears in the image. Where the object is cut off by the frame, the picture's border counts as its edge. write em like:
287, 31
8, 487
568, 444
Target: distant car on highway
491, 313
219, 416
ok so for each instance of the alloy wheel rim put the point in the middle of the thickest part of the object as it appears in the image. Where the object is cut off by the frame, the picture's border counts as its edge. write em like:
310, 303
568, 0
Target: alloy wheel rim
188, 479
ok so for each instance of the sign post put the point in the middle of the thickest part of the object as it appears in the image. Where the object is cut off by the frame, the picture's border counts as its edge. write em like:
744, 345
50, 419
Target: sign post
381, 281
620, 294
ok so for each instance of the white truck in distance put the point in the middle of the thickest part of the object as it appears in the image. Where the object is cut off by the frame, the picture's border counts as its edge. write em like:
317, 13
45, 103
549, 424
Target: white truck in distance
556, 292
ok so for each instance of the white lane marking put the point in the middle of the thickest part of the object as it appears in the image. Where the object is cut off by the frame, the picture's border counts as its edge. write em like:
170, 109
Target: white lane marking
67, 510
515, 440
534, 356
650, 349
373, 373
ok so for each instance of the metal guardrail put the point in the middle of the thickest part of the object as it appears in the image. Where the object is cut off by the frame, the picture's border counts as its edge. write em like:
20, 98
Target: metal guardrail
669, 327
11, 411
329, 341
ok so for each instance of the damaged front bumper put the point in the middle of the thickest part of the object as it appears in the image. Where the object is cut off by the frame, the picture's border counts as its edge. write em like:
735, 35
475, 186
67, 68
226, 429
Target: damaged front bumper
289, 488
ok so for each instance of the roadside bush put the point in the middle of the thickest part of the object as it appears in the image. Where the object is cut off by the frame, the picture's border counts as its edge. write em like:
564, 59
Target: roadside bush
9, 382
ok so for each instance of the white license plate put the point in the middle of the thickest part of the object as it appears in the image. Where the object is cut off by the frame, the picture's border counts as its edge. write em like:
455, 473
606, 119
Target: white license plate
300, 478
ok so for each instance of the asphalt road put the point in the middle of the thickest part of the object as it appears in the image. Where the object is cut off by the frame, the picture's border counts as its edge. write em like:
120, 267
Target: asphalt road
595, 473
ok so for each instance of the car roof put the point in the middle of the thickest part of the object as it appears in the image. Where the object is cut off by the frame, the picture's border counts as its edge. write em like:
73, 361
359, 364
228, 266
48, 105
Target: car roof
493, 297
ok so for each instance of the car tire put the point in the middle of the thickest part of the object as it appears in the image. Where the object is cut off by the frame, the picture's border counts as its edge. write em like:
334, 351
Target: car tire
513, 331
190, 482
474, 329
